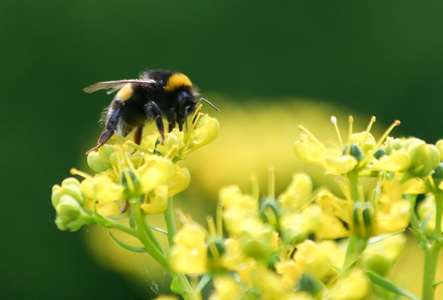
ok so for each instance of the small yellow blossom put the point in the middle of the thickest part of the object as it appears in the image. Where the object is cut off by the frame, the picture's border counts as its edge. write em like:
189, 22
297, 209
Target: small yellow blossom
156, 202
340, 208
396, 161
226, 288
356, 285
297, 194
179, 182
103, 188
314, 259
393, 211
290, 272
189, 253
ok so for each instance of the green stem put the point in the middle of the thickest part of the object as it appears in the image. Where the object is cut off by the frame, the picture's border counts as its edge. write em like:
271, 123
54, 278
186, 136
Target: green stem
356, 246
146, 235
170, 222
432, 251
431, 259
353, 184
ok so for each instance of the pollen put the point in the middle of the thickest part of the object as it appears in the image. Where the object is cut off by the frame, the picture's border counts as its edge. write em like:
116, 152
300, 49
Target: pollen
125, 92
175, 81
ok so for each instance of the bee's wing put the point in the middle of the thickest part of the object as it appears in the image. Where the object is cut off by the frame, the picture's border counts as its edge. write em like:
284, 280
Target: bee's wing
115, 85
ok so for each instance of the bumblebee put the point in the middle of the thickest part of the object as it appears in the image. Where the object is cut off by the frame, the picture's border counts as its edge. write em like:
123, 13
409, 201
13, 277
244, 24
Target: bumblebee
155, 95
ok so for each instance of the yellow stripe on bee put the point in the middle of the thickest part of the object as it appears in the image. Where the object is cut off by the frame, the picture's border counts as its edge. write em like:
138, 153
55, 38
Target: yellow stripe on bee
175, 81
125, 92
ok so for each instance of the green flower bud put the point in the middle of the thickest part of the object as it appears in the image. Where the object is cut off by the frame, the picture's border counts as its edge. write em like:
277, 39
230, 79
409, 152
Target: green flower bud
70, 186
424, 157
310, 285
70, 215
439, 146
99, 161
355, 151
437, 176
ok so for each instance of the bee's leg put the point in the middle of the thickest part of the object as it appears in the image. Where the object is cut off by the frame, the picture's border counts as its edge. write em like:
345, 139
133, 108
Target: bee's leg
138, 135
104, 137
158, 120
109, 132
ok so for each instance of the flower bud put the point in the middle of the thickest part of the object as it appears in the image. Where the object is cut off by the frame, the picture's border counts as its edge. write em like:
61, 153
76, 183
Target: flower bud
355, 151
70, 186
99, 161
439, 146
70, 215
424, 157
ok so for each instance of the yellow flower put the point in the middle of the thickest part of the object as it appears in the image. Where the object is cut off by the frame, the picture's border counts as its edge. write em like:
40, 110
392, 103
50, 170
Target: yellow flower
226, 288
393, 211
290, 272
189, 253
103, 188
340, 208
179, 182
297, 194
156, 202
330, 156
356, 285
315, 258
238, 208
156, 171
396, 161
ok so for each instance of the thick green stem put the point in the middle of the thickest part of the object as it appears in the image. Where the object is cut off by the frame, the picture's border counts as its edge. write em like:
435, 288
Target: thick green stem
432, 251
146, 235
170, 222
431, 259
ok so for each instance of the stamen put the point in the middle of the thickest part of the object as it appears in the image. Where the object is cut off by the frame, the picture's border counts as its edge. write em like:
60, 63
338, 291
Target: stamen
368, 129
219, 219
255, 187
379, 142
271, 183
334, 121
350, 130
75, 171
211, 226
303, 129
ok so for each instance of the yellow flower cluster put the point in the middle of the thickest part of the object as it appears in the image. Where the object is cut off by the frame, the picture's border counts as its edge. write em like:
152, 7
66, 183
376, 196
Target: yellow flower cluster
305, 243
150, 175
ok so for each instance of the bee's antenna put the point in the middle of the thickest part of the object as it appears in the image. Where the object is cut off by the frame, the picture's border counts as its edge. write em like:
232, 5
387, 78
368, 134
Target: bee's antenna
212, 105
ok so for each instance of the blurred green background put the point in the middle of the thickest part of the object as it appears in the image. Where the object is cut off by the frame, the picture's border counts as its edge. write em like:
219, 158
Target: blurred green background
383, 58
